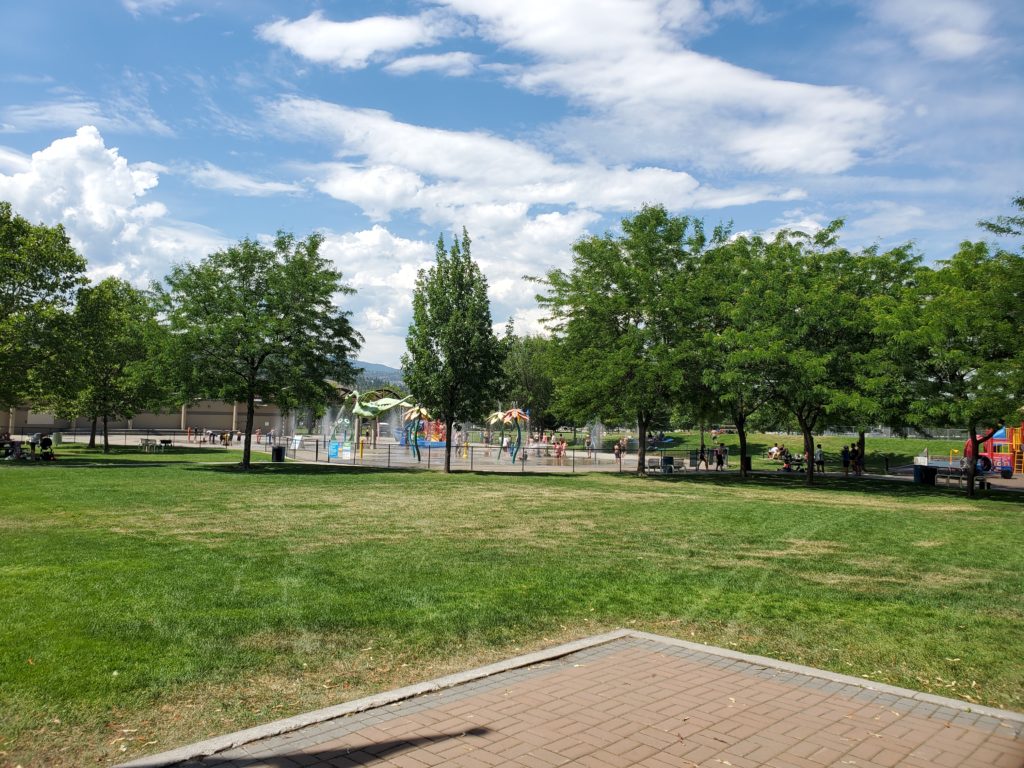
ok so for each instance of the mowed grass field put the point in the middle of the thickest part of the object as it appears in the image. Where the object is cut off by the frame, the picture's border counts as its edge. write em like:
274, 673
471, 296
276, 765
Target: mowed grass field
149, 601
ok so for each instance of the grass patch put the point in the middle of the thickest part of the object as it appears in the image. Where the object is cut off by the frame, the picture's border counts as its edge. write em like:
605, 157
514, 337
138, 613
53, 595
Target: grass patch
153, 600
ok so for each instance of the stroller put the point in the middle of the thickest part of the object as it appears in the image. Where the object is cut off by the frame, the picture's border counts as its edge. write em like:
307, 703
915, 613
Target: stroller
46, 449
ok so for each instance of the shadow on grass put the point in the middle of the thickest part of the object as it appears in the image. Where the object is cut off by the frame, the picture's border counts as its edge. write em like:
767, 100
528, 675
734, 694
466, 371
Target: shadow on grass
358, 754
828, 484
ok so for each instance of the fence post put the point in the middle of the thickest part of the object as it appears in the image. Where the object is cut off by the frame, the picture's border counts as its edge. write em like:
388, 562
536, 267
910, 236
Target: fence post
573, 459
316, 451
389, 455
428, 457
471, 458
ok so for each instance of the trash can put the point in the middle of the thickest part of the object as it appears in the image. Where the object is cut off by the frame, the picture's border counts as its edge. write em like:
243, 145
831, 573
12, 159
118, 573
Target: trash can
667, 465
746, 463
924, 475
277, 453
694, 458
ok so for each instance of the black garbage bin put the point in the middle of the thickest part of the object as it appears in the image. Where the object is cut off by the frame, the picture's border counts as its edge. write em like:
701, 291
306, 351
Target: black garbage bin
277, 453
924, 475
667, 465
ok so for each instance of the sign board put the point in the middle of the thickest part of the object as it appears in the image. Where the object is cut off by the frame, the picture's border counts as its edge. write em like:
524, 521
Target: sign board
332, 449
346, 451
296, 442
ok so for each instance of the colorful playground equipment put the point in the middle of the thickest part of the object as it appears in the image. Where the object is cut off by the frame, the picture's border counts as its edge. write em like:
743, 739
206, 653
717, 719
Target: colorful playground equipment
1001, 453
421, 431
507, 418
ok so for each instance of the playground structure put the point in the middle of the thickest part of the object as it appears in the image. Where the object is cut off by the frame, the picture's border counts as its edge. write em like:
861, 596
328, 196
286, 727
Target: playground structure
507, 418
1001, 453
357, 407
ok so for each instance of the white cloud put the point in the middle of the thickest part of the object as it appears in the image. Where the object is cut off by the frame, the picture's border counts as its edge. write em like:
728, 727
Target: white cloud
124, 115
13, 161
453, 64
393, 166
99, 198
948, 30
138, 7
651, 98
352, 44
214, 177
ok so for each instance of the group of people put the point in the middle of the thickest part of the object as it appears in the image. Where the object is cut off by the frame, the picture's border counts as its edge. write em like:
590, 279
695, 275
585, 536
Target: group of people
39, 447
719, 453
852, 458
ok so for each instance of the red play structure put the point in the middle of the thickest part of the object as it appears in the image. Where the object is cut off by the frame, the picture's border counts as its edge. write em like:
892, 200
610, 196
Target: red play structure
1001, 453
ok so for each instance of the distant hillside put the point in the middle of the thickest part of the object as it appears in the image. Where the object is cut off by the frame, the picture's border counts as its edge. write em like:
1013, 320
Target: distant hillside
376, 371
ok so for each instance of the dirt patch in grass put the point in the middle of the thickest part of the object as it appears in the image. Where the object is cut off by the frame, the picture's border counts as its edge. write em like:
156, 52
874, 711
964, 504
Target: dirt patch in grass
798, 548
868, 582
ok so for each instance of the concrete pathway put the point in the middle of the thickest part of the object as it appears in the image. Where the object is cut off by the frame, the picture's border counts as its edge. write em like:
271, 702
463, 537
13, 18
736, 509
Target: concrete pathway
630, 699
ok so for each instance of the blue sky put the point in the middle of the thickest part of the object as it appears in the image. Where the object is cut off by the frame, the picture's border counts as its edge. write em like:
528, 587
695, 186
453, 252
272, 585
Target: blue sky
161, 130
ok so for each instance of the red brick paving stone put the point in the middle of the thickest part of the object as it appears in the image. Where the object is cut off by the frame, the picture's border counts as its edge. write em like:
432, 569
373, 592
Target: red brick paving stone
638, 702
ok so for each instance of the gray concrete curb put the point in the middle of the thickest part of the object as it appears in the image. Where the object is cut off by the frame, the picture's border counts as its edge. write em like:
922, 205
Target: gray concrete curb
278, 727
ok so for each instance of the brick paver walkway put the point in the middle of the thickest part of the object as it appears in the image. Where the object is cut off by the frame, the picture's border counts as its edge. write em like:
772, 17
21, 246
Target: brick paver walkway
640, 700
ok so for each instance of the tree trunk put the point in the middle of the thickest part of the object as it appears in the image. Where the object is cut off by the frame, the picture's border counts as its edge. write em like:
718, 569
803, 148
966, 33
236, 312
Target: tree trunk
805, 428
448, 444
641, 454
741, 432
250, 417
975, 451
92, 433
106, 435
860, 449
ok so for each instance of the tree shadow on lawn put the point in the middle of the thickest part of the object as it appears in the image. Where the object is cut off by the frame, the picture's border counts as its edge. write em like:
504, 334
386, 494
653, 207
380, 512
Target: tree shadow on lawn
797, 480
265, 468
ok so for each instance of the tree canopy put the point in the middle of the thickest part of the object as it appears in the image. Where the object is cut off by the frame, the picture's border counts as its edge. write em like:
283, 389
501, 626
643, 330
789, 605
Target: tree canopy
258, 322
112, 343
454, 359
39, 272
623, 319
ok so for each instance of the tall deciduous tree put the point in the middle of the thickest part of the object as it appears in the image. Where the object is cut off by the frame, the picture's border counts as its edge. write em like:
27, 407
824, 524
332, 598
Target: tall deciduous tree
259, 322
963, 325
108, 369
797, 314
39, 272
527, 378
453, 358
622, 320
732, 362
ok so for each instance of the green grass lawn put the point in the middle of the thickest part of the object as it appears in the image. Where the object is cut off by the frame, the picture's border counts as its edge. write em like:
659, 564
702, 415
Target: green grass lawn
155, 600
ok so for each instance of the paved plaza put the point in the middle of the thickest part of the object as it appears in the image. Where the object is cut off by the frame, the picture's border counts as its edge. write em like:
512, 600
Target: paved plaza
630, 699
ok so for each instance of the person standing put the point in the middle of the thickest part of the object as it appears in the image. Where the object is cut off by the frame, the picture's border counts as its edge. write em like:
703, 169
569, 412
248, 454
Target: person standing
855, 459
819, 459
844, 456
719, 458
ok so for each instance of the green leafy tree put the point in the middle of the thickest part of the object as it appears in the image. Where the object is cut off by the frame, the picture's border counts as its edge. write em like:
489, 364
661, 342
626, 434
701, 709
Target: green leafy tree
527, 378
453, 359
731, 362
623, 322
1007, 226
881, 390
39, 272
962, 324
259, 322
112, 342
797, 311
